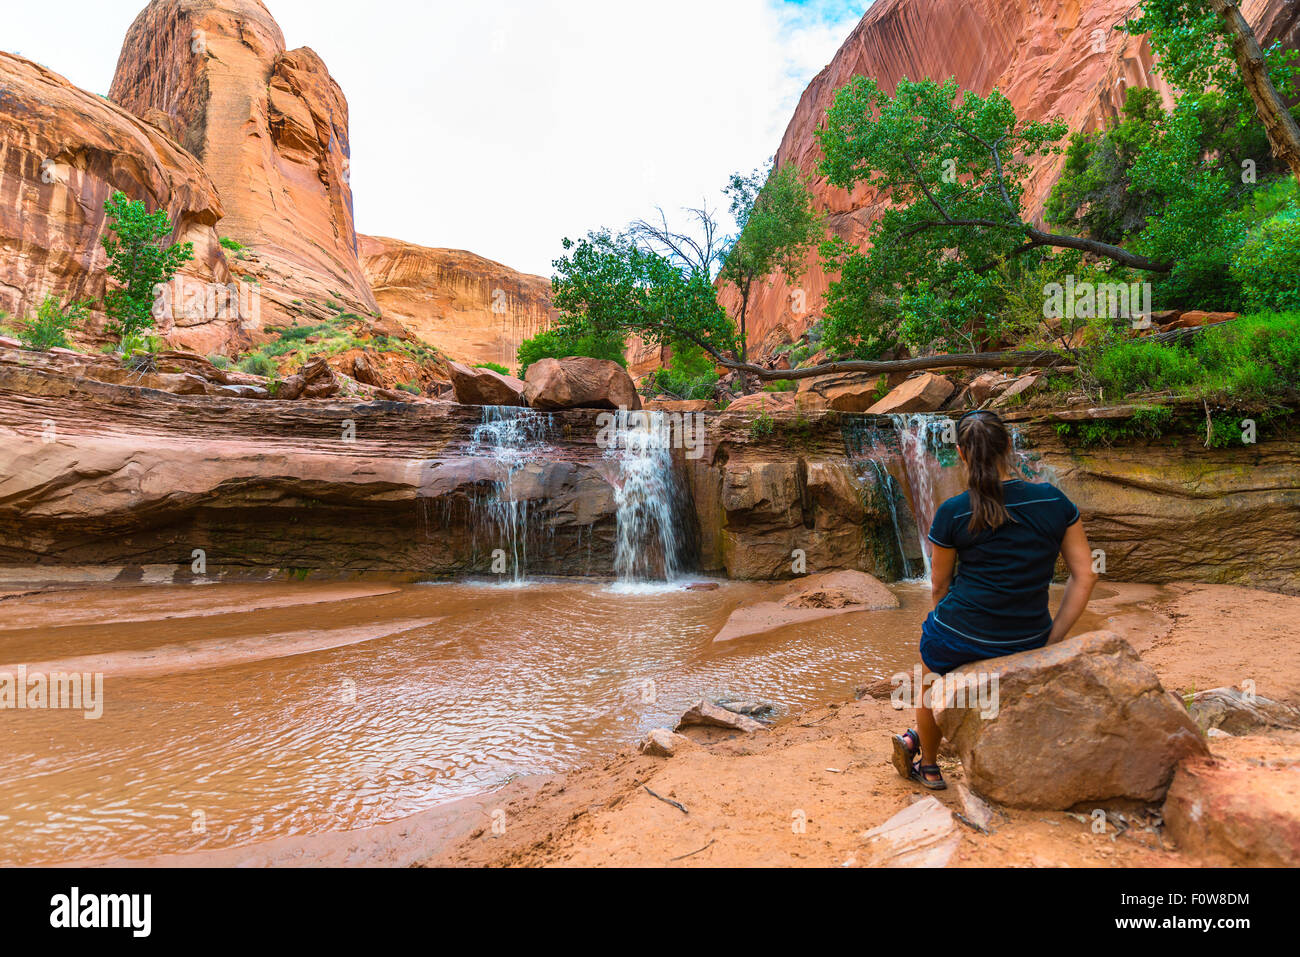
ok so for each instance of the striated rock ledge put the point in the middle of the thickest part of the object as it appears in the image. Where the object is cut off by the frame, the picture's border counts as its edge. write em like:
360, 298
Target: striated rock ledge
100, 473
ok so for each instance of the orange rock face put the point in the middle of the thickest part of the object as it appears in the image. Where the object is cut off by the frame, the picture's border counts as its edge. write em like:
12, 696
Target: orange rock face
63, 151
270, 126
1050, 59
473, 309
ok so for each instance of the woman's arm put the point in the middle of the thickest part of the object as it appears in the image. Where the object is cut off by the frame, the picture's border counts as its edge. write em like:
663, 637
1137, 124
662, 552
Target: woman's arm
942, 562
1078, 559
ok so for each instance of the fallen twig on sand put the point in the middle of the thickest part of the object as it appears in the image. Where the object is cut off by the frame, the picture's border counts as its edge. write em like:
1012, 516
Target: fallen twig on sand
693, 853
666, 800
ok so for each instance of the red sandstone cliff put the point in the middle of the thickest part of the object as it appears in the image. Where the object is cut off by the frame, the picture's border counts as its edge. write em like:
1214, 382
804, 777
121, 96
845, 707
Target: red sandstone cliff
1050, 57
270, 126
62, 153
473, 309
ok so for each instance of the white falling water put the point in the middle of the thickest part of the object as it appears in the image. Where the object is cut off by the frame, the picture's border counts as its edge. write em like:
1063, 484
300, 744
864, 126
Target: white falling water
920, 439
512, 438
645, 492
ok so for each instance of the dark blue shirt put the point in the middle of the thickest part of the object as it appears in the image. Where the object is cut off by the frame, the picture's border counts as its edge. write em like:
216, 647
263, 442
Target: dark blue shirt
999, 593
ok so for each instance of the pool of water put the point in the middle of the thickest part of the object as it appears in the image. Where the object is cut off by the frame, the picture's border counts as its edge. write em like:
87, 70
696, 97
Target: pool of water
236, 713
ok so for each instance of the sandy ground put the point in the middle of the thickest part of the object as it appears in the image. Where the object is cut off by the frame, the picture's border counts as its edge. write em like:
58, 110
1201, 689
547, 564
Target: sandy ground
803, 793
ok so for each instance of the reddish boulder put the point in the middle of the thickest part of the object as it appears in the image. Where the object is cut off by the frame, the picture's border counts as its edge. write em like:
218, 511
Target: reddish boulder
1085, 720
579, 382
926, 392
484, 386
1234, 814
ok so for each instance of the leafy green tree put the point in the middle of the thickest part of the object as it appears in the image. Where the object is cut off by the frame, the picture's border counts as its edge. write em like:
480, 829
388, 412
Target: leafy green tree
1208, 45
607, 285
953, 165
550, 344
140, 258
778, 227
1094, 195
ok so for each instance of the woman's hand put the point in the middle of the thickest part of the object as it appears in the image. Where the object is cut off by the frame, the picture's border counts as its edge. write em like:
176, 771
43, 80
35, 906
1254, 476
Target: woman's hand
1078, 559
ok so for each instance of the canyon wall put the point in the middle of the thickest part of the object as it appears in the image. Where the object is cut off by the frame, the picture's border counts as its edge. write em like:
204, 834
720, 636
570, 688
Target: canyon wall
270, 126
473, 309
1051, 58
63, 152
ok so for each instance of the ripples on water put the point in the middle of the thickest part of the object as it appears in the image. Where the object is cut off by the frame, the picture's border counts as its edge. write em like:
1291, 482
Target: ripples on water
508, 681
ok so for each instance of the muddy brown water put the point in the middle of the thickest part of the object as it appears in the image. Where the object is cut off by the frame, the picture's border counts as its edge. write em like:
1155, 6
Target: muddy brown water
237, 713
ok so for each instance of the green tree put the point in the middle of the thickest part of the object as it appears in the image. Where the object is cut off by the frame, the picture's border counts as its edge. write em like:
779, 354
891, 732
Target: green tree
607, 285
778, 225
953, 165
1208, 45
140, 258
551, 344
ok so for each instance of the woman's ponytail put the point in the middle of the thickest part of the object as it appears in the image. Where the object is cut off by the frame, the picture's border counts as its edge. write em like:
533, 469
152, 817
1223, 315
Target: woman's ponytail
986, 445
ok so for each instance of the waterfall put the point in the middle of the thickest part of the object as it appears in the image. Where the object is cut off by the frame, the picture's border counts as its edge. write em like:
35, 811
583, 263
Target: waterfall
512, 438
648, 497
921, 444
926, 462
889, 489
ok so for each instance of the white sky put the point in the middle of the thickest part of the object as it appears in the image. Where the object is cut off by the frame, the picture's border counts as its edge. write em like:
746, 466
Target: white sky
500, 127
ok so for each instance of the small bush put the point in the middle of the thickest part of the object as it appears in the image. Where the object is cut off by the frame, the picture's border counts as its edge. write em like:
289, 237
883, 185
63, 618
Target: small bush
49, 328
411, 387
690, 374
233, 245
494, 366
258, 363
219, 361
781, 385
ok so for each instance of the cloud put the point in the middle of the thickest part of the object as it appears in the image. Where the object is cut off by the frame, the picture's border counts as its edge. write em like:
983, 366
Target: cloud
501, 127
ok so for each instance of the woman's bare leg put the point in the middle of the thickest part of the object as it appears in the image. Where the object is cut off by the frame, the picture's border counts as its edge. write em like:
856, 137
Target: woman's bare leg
930, 734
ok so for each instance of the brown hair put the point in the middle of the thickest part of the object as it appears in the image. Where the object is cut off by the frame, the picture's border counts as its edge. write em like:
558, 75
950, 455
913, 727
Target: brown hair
986, 444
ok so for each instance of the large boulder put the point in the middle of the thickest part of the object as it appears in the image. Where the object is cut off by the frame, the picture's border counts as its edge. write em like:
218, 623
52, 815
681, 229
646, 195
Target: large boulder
1233, 814
926, 392
579, 382
848, 391
484, 386
1085, 720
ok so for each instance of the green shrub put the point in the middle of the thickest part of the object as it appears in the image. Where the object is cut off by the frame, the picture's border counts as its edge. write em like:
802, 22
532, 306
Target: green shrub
690, 373
552, 345
494, 366
219, 361
1256, 357
411, 387
781, 385
49, 328
762, 426
233, 245
258, 363
1143, 366
1268, 264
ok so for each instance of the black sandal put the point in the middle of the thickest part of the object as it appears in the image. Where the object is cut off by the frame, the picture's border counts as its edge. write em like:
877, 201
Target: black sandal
919, 774
905, 747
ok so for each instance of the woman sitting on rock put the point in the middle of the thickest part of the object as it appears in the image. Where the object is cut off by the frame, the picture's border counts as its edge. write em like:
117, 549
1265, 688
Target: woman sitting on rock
1002, 537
